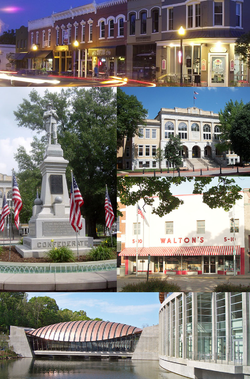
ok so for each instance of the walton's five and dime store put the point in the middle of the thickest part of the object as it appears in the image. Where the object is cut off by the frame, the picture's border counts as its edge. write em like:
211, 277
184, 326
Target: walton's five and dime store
193, 239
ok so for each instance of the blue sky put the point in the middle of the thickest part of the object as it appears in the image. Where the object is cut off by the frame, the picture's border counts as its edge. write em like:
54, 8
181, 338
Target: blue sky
208, 98
15, 13
136, 309
187, 187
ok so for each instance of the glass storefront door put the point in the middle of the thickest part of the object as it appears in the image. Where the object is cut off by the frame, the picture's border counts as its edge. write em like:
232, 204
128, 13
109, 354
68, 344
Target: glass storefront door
218, 70
209, 265
237, 350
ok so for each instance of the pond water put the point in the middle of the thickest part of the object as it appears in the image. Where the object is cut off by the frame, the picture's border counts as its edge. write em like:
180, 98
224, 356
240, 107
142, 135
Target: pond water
68, 369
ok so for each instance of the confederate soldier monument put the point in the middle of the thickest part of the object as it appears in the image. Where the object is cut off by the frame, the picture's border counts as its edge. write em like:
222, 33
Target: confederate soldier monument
49, 225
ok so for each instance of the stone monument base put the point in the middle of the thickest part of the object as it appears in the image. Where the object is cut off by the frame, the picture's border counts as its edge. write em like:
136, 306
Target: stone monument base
39, 247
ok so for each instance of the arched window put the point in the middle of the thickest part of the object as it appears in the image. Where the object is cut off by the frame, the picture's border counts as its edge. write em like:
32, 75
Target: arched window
143, 22
155, 21
217, 132
132, 24
120, 22
111, 27
195, 127
182, 129
169, 129
206, 131
102, 28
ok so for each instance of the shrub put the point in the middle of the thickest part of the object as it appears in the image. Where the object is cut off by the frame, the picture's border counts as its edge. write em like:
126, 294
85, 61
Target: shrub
228, 287
100, 253
1, 249
153, 285
107, 242
61, 254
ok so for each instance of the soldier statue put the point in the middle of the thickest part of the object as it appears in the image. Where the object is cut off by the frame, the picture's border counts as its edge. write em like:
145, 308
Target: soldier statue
50, 119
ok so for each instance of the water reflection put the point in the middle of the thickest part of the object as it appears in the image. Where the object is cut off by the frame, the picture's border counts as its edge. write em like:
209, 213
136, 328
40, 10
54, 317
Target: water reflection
83, 369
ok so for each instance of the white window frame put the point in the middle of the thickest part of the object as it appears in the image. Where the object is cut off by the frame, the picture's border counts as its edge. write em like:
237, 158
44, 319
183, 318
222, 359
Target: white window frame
239, 15
141, 132
201, 226
154, 150
223, 13
154, 133
147, 134
31, 39
76, 25
109, 27
57, 35
90, 22
43, 38
168, 11
37, 37
169, 227
49, 37
83, 31
135, 231
101, 22
120, 28
147, 150
140, 148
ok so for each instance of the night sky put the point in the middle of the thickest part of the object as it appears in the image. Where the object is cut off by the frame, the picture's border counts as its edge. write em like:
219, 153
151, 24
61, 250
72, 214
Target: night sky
16, 13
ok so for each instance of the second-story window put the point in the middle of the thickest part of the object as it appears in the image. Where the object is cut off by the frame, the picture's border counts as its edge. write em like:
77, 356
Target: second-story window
143, 22
197, 15
83, 32
206, 131
37, 38
132, 24
170, 19
155, 21
190, 16
32, 39
238, 14
43, 39
216, 132
121, 27
147, 133
169, 129
90, 31
102, 29
218, 13
76, 32
57, 37
69, 36
111, 28
49, 37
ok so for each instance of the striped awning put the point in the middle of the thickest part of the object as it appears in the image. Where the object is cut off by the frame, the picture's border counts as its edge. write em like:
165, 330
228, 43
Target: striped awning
181, 251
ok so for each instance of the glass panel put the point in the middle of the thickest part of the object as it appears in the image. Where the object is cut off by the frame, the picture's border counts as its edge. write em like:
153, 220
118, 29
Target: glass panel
218, 72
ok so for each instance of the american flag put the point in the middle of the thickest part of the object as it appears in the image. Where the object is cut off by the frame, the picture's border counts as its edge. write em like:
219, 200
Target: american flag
140, 212
196, 93
109, 214
18, 204
5, 212
76, 201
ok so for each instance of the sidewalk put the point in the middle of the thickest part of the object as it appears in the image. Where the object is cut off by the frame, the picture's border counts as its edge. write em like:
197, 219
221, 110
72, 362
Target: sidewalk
56, 282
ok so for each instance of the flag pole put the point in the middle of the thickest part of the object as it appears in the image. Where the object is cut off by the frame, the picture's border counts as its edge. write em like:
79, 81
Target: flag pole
137, 240
10, 222
72, 194
111, 225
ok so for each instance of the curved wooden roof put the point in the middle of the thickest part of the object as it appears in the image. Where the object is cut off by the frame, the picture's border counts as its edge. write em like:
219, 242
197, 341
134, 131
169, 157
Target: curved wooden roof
84, 331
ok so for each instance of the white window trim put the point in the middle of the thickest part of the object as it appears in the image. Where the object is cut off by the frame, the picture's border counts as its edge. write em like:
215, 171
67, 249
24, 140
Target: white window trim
100, 21
90, 22
168, 19
223, 13
111, 18
240, 4
83, 27
118, 18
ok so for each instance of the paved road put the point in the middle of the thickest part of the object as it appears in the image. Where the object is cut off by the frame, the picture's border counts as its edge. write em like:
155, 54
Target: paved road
190, 283
212, 172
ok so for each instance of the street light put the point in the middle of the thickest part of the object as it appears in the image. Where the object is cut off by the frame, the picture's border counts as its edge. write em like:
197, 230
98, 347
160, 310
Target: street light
76, 45
181, 33
34, 48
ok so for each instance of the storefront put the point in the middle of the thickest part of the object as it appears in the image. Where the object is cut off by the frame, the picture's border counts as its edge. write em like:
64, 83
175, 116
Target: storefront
191, 240
186, 260
110, 60
211, 62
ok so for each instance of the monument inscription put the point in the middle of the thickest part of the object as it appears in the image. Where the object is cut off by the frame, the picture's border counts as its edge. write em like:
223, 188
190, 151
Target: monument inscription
56, 185
55, 229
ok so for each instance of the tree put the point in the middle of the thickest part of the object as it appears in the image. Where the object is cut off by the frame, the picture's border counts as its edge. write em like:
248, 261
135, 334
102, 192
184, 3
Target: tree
12, 310
87, 134
172, 151
8, 37
227, 118
130, 190
240, 133
130, 114
159, 156
242, 47
42, 311
29, 176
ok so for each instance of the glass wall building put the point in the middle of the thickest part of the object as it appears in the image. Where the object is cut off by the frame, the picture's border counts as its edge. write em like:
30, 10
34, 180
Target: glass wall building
206, 331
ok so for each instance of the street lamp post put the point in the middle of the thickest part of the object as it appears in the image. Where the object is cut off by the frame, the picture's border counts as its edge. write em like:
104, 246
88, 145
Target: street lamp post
34, 48
76, 45
181, 33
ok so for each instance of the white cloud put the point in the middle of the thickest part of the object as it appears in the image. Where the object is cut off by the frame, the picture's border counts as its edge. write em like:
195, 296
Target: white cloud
8, 148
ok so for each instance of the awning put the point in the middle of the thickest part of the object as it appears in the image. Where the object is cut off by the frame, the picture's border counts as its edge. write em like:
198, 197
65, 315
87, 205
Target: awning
180, 251
19, 56
40, 54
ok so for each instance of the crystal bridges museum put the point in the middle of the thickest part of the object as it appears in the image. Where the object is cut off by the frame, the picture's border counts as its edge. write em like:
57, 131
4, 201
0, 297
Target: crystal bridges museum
200, 336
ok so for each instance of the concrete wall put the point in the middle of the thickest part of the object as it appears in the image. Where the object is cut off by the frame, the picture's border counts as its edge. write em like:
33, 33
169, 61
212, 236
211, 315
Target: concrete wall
148, 345
19, 342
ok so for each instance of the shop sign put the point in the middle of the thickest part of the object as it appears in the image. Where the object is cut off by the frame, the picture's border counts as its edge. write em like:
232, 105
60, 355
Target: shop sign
181, 240
203, 65
232, 65
102, 52
229, 239
139, 240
